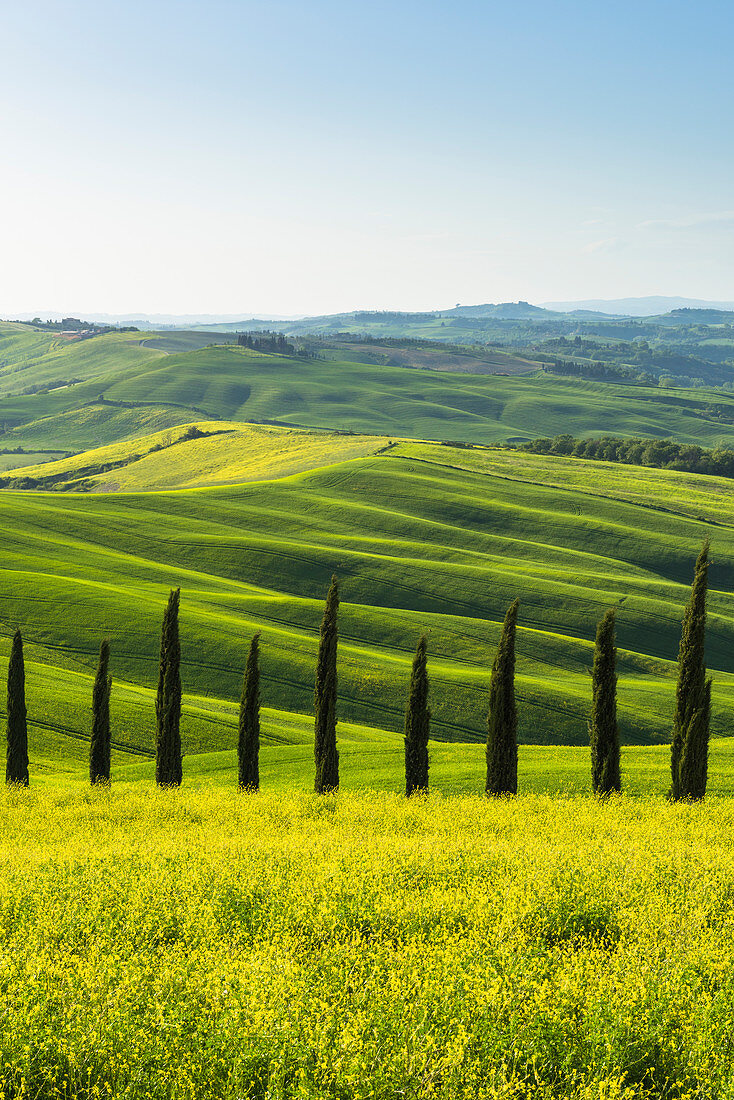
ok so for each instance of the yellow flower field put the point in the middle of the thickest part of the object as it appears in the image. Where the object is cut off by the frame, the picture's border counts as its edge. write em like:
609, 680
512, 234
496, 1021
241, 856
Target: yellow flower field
208, 944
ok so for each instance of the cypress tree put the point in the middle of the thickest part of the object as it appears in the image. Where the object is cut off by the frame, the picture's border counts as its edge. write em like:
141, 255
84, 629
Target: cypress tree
248, 745
502, 718
326, 755
694, 761
417, 724
691, 723
16, 767
99, 745
168, 769
603, 729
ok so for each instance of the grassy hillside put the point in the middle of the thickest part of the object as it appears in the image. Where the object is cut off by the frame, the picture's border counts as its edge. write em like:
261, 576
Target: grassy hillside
424, 538
451, 358
93, 425
684, 344
208, 453
233, 383
30, 358
49, 389
121, 385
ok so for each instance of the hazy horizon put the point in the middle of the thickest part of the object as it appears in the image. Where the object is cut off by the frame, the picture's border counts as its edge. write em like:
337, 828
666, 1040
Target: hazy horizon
640, 307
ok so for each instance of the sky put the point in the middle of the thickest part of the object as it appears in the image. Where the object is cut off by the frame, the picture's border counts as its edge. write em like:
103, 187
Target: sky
284, 158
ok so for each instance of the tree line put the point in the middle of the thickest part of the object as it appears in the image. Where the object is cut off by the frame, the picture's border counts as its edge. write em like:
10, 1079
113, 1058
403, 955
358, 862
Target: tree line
662, 454
691, 720
274, 342
600, 371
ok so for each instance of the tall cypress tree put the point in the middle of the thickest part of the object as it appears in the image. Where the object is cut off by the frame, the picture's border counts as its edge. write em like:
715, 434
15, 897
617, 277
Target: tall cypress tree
16, 766
691, 723
603, 729
168, 768
417, 724
502, 718
248, 745
326, 755
99, 745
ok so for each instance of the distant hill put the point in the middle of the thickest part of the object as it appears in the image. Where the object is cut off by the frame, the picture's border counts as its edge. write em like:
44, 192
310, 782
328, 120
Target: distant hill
592, 309
424, 537
397, 323
702, 316
153, 320
651, 306
511, 311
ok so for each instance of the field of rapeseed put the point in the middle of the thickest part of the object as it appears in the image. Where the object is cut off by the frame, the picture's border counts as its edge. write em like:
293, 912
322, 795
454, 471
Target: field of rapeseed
204, 944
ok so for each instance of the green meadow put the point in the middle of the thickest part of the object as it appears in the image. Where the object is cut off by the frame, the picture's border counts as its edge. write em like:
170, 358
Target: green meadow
150, 473
206, 453
424, 538
78, 395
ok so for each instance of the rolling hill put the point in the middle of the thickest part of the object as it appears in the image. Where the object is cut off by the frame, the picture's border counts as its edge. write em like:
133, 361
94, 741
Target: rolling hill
207, 453
424, 537
157, 474
87, 394
637, 307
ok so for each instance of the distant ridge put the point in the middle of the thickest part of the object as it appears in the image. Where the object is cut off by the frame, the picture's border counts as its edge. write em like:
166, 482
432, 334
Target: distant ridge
651, 306
593, 309
149, 320
511, 311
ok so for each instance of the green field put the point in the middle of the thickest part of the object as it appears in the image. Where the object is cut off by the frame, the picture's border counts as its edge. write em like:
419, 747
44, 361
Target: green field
424, 537
489, 361
120, 385
252, 519
181, 457
203, 943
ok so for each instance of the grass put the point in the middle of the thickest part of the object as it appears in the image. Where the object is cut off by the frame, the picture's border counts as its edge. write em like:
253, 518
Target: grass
147, 384
206, 944
423, 537
234, 383
373, 760
232, 452
201, 943
449, 359
37, 358
13, 461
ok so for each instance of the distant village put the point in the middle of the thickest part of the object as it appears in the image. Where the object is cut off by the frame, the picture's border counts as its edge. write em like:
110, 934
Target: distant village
71, 328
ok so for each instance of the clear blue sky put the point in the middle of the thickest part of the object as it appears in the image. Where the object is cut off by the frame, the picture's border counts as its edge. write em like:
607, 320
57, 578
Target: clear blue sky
281, 157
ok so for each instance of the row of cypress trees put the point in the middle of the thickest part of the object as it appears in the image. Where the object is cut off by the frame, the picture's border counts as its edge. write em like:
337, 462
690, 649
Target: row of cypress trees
692, 717
168, 768
691, 725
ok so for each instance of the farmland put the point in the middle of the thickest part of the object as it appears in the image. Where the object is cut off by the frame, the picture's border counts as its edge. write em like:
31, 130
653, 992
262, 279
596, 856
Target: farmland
207, 943
367, 551
206, 453
117, 386
424, 538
